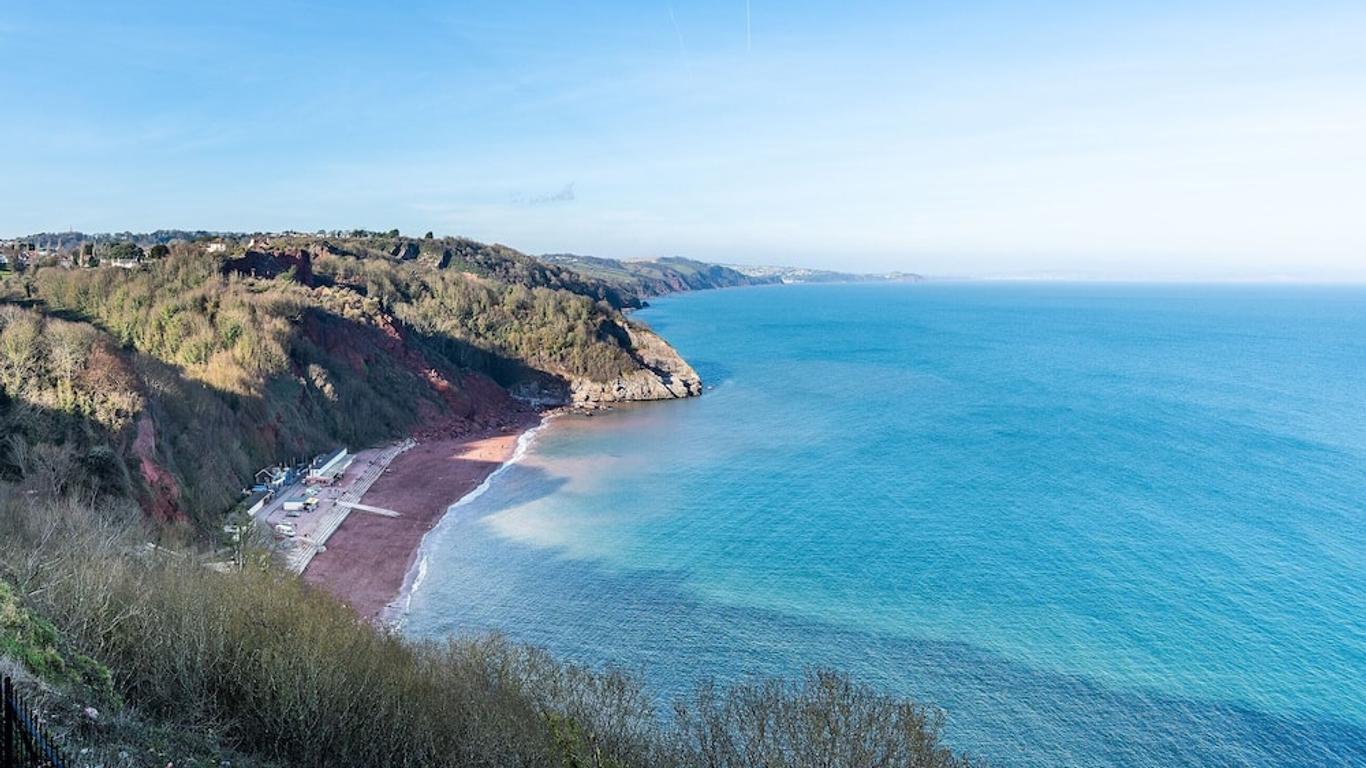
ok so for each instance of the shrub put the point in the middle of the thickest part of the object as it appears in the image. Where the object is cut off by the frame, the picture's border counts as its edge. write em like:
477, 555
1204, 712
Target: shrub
289, 674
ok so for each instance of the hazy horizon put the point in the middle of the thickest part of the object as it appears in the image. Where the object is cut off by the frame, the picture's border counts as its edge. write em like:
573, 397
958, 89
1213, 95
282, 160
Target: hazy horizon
1206, 141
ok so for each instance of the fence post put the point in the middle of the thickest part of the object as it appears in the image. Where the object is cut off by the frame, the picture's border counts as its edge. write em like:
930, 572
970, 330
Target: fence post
7, 728
22, 736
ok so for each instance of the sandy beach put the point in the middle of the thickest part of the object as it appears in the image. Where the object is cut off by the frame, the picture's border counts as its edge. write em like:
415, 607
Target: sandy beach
367, 560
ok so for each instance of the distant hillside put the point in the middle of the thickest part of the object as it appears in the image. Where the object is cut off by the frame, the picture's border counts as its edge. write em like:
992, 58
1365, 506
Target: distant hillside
804, 275
638, 280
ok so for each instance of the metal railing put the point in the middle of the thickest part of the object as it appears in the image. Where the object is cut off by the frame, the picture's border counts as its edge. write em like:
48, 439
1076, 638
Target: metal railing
23, 741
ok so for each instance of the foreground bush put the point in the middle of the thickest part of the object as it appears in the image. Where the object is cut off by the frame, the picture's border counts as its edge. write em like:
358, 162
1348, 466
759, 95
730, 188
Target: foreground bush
286, 673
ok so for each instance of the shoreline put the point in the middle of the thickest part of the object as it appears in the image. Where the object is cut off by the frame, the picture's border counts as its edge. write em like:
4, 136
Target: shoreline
393, 614
374, 562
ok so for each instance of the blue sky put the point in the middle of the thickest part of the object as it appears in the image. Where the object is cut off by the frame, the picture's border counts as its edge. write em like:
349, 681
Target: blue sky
1197, 139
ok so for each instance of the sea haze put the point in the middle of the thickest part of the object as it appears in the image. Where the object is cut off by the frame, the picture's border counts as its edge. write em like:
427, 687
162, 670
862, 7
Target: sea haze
1096, 524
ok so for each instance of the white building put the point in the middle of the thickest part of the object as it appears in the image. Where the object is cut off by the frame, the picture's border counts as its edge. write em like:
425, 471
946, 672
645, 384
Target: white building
329, 467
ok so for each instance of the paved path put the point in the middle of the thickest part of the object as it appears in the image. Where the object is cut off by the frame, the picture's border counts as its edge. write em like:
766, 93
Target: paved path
335, 506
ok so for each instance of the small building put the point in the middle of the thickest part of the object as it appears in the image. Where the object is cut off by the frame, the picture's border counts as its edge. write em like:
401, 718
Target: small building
273, 478
329, 466
216, 247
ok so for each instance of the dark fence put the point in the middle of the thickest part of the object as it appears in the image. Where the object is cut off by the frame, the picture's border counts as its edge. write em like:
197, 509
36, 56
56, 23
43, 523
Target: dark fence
23, 742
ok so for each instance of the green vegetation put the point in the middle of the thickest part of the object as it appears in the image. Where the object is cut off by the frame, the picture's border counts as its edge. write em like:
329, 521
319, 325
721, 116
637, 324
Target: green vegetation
268, 667
76, 694
173, 382
64, 393
126, 251
494, 302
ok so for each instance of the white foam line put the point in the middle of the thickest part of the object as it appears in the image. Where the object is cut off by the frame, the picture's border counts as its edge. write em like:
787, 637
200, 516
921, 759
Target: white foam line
394, 613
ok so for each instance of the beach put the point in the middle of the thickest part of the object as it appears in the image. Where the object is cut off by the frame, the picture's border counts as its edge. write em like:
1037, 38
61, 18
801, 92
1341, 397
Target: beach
367, 560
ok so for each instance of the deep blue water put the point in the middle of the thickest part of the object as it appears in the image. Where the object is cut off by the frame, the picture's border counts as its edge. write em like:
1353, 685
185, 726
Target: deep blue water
1097, 525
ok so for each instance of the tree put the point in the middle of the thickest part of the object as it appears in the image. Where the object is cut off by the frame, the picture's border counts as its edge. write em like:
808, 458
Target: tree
393, 233
126, 250
159, 251
428, 236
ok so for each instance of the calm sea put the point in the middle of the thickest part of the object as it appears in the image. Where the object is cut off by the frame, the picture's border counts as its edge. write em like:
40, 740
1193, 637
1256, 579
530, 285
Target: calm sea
1097, 525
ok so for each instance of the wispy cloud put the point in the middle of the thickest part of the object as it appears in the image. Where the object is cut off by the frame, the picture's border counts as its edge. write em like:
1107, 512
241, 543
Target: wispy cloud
565, 195
682, 49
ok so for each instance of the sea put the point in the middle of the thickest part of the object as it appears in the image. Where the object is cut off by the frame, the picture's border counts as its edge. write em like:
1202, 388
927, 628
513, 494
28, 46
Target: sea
1093, 524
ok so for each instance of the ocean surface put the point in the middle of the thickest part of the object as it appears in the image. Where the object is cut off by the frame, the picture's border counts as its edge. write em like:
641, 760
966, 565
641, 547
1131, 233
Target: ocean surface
1097, 525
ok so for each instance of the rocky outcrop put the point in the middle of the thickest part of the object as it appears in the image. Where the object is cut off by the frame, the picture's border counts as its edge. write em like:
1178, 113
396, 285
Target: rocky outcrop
663, 375
406, 250
271, 264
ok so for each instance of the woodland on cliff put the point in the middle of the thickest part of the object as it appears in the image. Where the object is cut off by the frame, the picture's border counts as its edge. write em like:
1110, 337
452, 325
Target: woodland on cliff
173, 381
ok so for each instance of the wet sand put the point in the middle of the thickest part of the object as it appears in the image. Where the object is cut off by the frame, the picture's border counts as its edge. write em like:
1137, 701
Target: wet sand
367, 559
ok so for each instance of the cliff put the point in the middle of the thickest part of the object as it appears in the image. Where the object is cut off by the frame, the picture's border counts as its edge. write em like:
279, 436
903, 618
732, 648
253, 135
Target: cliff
173, 381
662, 375
176, 376
638, 280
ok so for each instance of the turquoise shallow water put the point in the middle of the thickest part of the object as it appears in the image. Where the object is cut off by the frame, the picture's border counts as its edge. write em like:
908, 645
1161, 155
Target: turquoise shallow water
1097, 525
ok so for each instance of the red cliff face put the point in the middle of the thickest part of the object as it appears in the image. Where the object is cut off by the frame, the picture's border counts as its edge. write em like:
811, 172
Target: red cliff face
464, 402
163, 502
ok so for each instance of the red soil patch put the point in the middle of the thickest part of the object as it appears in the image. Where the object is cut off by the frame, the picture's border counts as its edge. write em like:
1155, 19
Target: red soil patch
164, 492
465, 402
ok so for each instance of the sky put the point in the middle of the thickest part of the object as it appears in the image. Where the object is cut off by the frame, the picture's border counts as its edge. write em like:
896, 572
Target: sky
1153, 140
